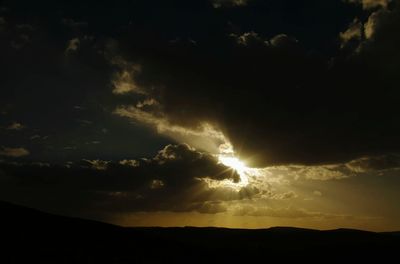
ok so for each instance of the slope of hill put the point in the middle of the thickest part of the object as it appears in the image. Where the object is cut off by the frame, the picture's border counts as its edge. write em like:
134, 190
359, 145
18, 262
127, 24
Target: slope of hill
32, 236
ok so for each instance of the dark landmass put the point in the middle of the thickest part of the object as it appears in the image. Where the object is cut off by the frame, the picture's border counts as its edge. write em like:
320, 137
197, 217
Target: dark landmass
31, 236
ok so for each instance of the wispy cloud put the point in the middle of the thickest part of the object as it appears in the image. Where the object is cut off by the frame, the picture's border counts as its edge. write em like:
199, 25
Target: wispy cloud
14, 152
16, 126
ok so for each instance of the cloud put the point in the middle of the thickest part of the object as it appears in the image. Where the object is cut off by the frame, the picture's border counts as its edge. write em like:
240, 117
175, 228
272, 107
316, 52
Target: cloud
133, 163
212, 208
34, 137
266, 98
283, 40
287, 175
14, 152
15, 126
322, 173
284, 175
156, 184
354, 32
284, 196
98, 164
368, 4
383, 20
254, 39
148, 112
162, 124
191, 96
370, 25
246, 38
73, 45
371, 164
278, 93
172, 180
124, 81
289, 212
228, 3
317, 193
265, 79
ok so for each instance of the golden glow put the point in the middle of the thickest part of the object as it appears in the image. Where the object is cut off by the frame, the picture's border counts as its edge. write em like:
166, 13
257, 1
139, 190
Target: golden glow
237, 165
233, 163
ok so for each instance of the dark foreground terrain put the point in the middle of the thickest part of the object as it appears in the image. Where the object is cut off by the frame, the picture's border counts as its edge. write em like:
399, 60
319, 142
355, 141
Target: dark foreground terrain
30, 236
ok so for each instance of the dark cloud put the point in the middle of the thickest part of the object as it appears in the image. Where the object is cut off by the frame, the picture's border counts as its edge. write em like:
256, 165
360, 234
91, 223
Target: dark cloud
73, 45
373, 164
250, 68
229, 3
174, 180
14, 152
15, 126
368, 4
354, 32
271, 75
277, 101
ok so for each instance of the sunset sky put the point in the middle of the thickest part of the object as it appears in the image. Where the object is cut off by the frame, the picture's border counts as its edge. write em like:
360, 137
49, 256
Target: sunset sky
231, 113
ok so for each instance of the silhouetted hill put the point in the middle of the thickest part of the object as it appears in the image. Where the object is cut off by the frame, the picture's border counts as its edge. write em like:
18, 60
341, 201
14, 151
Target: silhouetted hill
31, 236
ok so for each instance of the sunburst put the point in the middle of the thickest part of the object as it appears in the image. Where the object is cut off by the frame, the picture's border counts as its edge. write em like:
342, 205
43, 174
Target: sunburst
236, 165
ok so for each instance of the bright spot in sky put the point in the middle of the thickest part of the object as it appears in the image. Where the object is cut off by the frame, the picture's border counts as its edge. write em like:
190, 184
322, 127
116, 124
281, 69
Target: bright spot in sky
237, 165
233, 163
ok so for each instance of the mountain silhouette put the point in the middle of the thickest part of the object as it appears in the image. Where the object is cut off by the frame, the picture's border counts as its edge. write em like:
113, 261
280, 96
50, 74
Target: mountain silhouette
32, 236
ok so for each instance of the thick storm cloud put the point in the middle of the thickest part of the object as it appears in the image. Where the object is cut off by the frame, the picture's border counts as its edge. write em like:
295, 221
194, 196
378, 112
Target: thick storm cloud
173, 180
307, 82
277, 101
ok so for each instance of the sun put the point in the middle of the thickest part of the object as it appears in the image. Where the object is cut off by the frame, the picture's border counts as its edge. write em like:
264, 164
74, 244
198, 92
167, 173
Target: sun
233, 163
237, 165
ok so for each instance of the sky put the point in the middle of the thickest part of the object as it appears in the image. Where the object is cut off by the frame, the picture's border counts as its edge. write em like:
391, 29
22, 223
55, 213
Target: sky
228, 113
